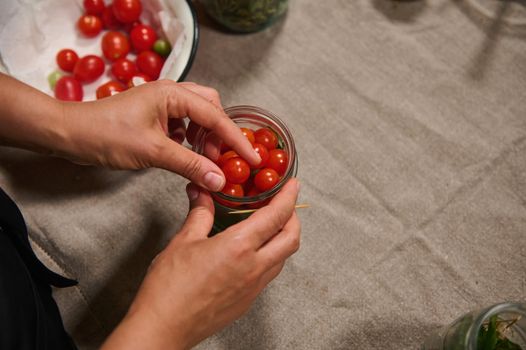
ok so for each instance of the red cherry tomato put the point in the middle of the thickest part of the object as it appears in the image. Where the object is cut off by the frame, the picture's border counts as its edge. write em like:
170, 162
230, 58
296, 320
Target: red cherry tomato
89, 25
233, 190
254, 192
68, 89
127, 11
143, 37
66, 59
226, 156
236, 170
265, 179
150, 63
263, 153
115, 45
88, 68
108, 89
123, 69
267, 138
94, 7
109, 20
278, 160
138, 75
249, 134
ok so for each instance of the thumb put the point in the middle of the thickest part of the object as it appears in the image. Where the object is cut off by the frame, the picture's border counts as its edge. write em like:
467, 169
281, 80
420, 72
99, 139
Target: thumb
200, 217
195, 167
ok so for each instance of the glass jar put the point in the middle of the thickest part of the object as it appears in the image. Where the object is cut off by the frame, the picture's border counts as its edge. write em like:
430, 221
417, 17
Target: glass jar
464, 333
253, 118
245, 15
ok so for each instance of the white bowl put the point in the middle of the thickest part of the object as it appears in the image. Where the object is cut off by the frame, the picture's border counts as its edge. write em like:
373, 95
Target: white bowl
32, 32
185, 12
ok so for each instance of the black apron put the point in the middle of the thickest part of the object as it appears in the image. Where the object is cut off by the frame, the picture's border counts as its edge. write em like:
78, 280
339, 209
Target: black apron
29, 317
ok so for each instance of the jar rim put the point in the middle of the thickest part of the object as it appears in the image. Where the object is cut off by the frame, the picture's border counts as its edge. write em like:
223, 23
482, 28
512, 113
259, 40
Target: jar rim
236, 113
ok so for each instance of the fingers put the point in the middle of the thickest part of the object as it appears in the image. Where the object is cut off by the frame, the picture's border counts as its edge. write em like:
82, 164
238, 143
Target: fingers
200, 215
269, 220
282, 245
196, 168
268, 276
212, 147
208, 93
212, 142
182, 101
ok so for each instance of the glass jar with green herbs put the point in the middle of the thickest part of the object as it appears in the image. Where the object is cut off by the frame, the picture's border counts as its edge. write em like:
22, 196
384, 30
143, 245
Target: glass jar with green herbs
245, 15
498, 327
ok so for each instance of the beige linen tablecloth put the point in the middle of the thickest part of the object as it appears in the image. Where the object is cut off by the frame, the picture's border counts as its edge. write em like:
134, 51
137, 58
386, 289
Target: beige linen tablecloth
410, 122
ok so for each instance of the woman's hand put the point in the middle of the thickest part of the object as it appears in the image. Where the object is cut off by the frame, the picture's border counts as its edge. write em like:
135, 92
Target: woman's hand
127, 131
131, 130
198, 285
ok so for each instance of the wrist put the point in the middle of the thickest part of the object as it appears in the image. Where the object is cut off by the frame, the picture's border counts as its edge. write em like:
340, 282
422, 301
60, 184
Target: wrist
142, 329
54, 136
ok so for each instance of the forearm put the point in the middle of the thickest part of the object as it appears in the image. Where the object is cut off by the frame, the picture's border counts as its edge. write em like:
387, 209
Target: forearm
139, 331
30, 119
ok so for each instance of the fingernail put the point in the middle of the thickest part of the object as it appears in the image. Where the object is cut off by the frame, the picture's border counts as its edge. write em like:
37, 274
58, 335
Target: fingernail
192, 192
213, 181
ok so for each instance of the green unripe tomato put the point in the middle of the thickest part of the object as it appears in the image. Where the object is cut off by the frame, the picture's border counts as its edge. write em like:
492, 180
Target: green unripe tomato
53, 78
162, 47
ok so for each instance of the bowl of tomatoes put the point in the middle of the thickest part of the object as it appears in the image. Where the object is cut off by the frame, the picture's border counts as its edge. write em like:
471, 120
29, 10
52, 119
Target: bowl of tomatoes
251, 187
86, 49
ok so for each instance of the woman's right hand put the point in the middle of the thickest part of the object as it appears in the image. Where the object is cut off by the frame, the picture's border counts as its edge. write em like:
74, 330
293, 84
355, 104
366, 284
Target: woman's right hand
198, 285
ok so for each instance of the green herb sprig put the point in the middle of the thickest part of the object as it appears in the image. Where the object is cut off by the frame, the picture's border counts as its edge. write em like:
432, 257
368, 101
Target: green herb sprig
492, 335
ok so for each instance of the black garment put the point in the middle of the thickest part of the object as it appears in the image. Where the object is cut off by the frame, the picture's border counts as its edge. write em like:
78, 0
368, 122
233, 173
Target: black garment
29, 317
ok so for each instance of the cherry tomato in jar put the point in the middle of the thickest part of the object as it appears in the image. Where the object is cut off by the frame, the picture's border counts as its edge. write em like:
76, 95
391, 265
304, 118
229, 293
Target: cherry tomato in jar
94, 7
226, 156
66, 59
88, 69
150, 64
249, 134
278, 160
109, 89
89, 25
265, 179
266, 137
143, 37
68, 89
127, 11
109, 20
236, 170
233, 190
115, 45
137, 79
263, 153
123, 70
254, 192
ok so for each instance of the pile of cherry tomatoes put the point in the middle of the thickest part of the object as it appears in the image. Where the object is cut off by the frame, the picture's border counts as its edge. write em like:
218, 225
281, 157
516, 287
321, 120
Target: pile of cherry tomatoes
242, 180
125, 34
